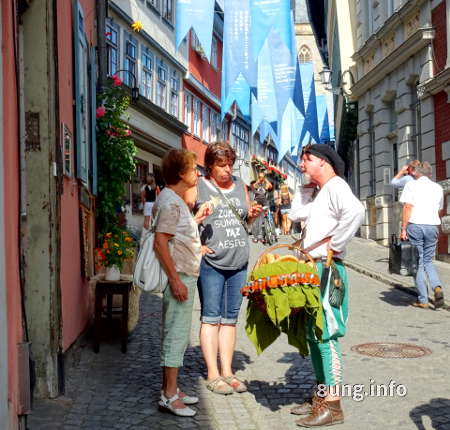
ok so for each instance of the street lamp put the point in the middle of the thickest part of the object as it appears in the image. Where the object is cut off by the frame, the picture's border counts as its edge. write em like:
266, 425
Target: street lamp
134, 88
325, 77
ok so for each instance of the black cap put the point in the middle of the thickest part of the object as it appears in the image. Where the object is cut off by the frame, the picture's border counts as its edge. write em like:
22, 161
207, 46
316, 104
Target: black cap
325, 152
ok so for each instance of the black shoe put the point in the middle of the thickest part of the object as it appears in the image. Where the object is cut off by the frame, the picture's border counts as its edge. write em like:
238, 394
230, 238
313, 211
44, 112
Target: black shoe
438, 297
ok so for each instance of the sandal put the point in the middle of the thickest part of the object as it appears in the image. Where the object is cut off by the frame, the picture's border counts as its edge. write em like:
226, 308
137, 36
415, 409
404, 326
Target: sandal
224, 389
165, 405
186, 399
236, 384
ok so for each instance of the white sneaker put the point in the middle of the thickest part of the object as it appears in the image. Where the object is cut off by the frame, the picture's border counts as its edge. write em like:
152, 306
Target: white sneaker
165, 405
278, 231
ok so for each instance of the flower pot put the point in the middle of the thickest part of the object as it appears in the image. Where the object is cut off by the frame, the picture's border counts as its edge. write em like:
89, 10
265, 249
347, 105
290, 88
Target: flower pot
112, 273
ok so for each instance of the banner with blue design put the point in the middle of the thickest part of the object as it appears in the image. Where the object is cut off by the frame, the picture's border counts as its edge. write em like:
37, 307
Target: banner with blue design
267, 15
310, 128
322, 119
198, 15
238, 66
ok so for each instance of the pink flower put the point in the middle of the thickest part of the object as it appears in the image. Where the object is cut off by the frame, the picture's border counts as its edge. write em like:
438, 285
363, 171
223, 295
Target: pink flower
101, 111
117, 81
128, 132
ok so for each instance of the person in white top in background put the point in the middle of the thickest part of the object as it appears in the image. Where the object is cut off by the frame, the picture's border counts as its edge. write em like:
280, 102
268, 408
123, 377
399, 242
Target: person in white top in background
405, 174
423, 202
332, 218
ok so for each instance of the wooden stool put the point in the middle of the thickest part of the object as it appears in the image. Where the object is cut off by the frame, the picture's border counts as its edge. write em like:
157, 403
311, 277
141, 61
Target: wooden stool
109, 288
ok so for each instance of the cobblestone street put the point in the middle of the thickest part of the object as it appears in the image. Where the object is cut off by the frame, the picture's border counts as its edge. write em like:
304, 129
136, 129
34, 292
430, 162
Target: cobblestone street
111, 390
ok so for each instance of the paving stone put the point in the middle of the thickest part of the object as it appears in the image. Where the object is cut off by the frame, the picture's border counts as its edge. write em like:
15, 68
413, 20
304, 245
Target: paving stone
120, 391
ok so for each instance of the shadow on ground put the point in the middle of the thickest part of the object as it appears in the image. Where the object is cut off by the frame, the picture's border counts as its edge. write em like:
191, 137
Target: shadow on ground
437, 411
297, 384
396, 298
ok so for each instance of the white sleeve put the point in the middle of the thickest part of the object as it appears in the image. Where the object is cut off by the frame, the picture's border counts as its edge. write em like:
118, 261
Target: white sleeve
407, 195
301, 205
350, 214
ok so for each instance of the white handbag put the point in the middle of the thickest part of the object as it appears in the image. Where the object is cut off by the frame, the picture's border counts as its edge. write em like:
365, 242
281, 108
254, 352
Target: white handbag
148, 272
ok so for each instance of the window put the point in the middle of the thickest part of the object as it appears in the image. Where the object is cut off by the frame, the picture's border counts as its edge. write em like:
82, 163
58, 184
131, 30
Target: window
112, 47
129, 61
205, 123
213, 131
194, 41
373, 165
188, 110
167, 10
197, 107
416, 122
225, 131
304, 55
240, 140
153, 4
161, 85
369, 16
214, 53
389, 8
147, 74
174, 93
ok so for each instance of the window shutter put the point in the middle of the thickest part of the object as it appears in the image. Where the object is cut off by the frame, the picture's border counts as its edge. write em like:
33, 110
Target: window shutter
93, 89
81, 96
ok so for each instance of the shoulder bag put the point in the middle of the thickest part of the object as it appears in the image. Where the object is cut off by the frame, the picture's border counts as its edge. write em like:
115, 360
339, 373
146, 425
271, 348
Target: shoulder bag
148, 273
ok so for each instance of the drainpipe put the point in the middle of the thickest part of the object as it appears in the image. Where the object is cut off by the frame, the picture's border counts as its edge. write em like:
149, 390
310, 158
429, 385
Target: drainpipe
447, 22
102, 8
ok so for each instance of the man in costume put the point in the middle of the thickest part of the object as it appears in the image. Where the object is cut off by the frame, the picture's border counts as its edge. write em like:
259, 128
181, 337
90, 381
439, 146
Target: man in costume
332, 215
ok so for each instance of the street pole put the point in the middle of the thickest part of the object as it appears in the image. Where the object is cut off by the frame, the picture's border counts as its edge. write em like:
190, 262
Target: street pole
102, 8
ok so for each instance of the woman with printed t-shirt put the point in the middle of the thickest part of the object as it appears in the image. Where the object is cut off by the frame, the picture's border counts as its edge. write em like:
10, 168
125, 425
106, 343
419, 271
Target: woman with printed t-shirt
176, 225
223, 270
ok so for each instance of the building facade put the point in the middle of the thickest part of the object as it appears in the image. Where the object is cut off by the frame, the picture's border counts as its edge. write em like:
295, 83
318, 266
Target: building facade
149, 61
394, 55
437, 88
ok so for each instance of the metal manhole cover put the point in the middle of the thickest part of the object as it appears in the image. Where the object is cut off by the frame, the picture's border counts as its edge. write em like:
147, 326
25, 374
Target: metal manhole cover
391, 350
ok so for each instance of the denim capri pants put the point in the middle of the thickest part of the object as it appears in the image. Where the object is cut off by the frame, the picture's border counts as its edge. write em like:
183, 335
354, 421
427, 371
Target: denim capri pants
177, 319
220, 293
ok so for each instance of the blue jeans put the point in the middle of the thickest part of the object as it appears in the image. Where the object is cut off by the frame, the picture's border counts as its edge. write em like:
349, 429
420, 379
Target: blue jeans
220, 293
424, 237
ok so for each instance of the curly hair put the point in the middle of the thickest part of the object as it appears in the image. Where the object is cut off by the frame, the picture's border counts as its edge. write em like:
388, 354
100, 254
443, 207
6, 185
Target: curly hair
218, 151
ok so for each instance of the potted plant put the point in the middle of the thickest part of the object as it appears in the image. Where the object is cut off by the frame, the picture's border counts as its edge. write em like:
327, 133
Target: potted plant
115, 249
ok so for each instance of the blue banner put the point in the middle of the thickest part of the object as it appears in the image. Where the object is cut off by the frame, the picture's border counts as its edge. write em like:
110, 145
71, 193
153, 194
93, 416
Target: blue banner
267, 15
237, 62
330, 108
198, 15
310, 128
291, 129
264, 106
322, 119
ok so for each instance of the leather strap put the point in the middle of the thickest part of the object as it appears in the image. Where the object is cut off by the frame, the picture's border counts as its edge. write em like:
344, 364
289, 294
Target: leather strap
317, 244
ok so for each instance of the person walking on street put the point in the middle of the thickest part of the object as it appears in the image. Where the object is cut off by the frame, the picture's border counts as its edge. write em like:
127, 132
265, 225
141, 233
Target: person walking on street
285, 207
331, 218
181, 264
223, 270
405, 174
423, 201
260, 189
149, 191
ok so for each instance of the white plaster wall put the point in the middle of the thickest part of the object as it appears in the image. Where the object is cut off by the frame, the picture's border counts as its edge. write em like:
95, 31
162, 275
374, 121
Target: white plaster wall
3, 309
395, 85
152, 128
155, 26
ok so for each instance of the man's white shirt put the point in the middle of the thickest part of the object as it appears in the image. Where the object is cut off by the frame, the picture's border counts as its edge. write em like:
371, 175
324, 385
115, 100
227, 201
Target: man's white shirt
426, 198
